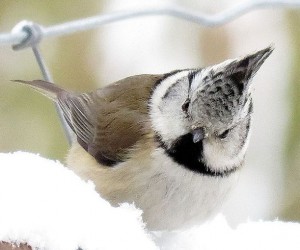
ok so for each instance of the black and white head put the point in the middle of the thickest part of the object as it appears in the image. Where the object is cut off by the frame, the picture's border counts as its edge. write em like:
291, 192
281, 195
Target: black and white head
202, 117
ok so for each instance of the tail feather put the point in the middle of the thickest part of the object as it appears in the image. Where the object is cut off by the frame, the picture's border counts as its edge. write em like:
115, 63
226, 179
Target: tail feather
48, 89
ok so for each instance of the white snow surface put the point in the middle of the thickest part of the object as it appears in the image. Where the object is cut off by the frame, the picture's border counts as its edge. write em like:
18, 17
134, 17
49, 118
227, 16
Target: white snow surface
47, 206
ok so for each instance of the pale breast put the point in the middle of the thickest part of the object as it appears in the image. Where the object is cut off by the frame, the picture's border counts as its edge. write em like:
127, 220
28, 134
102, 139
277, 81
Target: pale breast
170, 196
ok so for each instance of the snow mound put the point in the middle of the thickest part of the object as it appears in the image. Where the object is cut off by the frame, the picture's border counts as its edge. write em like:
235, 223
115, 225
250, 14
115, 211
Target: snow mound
49, 207
44, 204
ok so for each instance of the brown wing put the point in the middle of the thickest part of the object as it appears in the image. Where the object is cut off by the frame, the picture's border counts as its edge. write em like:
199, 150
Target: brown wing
109, 121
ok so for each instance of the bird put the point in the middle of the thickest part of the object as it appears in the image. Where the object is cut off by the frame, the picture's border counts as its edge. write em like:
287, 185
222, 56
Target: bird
172, 144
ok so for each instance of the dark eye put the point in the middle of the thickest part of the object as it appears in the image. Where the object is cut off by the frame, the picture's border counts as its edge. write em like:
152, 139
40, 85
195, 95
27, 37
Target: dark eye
185, 105
224, 134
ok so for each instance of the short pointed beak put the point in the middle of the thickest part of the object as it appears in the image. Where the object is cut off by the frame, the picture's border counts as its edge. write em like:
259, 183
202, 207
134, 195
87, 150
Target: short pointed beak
198, 134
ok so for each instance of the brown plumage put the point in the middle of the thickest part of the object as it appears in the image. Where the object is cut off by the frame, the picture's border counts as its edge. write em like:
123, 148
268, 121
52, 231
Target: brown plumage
108, 121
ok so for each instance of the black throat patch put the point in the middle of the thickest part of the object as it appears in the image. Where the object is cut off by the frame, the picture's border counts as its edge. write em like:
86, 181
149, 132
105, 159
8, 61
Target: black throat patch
189, 155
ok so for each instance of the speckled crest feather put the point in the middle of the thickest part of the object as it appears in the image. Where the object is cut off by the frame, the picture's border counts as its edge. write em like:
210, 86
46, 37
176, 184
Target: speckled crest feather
223, 93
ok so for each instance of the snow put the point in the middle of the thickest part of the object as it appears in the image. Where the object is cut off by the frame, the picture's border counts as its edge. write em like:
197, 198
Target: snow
49, 207
218, 235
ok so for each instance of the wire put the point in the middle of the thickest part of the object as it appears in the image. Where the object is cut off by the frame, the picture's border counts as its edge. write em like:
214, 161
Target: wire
47, 77
168, 10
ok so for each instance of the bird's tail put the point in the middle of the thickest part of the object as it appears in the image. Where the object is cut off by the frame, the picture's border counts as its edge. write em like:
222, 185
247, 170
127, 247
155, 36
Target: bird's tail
48, 89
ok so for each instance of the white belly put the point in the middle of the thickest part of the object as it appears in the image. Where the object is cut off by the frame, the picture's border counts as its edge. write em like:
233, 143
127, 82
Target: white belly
170, 196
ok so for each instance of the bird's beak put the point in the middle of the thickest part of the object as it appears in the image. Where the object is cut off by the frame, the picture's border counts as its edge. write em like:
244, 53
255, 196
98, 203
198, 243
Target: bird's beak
198, 134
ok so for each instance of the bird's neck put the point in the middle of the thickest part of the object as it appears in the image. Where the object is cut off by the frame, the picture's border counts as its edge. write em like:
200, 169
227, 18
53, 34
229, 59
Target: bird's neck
195, 157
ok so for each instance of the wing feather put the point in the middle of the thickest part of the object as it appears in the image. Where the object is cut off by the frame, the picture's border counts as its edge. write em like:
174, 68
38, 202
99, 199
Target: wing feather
110, 121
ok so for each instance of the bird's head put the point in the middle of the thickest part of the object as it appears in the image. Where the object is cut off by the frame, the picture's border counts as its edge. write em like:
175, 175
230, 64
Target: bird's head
209, 107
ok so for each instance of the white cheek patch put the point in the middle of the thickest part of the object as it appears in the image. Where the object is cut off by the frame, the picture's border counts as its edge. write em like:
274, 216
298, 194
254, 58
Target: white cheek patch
163, 87
167, 117
219, 159
222, 156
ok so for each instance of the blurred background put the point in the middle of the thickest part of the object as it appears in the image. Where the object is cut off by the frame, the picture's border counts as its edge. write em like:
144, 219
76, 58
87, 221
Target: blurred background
269, 186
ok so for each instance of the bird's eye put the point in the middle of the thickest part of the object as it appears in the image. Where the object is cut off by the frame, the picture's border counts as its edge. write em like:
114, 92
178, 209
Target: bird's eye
224, 134
185, 105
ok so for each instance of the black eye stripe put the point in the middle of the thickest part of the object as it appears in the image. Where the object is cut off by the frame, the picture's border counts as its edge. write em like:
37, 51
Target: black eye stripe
191, 77
224, 134
186, 105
